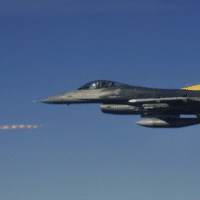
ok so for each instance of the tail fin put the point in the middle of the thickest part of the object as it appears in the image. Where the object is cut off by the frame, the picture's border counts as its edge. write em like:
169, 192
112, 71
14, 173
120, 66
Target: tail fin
194, 87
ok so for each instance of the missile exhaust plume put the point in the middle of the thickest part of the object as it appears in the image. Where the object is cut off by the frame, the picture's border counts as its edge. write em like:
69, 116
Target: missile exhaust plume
20, 126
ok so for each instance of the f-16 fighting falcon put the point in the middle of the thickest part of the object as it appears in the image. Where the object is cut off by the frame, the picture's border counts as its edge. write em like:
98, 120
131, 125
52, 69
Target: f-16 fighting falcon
161, 107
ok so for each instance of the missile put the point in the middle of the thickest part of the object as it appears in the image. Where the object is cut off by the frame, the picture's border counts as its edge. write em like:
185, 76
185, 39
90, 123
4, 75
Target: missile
168, 123
120, 109
130, 109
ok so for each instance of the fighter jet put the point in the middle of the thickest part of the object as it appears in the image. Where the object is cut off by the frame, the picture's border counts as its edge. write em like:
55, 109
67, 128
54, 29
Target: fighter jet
161, 107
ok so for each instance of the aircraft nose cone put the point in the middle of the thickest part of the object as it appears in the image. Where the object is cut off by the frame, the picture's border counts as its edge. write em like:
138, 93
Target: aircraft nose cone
53, 99
139, 123
49, 100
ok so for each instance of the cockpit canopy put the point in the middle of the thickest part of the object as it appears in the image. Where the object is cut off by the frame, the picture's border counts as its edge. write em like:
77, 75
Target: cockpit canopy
99, 84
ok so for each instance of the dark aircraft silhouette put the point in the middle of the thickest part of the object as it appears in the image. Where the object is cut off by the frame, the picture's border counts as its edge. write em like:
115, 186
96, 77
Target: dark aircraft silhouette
161, 107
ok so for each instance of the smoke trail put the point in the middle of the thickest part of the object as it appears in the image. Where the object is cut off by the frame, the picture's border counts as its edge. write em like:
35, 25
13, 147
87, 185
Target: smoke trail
20, 126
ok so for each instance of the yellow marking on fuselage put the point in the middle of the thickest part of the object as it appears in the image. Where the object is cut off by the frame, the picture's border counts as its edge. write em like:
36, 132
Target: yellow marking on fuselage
194, 87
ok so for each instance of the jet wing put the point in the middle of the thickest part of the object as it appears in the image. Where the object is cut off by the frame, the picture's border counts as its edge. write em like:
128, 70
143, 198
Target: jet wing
160, 106
169, 100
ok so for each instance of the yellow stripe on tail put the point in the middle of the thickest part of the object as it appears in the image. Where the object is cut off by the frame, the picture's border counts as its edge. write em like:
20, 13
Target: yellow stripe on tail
194, 87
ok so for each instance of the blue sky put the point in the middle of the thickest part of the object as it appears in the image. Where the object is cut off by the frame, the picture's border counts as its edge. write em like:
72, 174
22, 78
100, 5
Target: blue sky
50, 47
